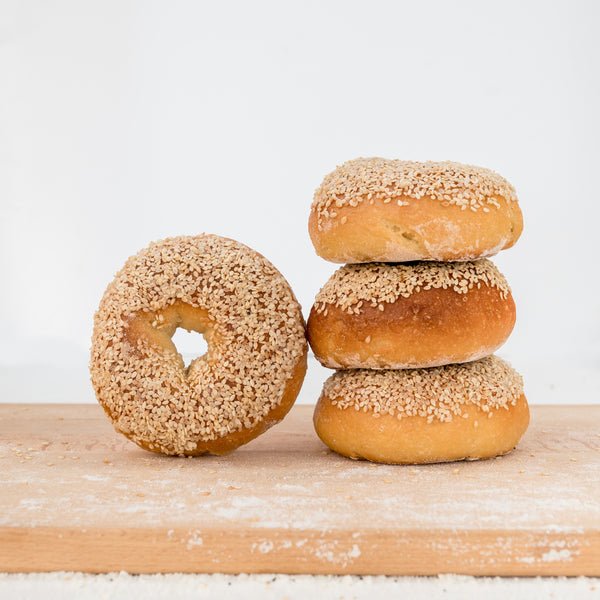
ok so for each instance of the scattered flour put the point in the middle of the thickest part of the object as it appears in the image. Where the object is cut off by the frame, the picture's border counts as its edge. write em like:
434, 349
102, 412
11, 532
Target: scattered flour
557, 555
195, 539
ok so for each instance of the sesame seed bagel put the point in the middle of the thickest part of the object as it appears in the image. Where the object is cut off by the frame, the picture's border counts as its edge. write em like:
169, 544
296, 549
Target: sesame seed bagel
375, 209
402, 316
251, 373
456, 412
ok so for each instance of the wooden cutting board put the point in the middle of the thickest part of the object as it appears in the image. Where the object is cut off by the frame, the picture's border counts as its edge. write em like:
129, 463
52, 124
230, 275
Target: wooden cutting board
77, 496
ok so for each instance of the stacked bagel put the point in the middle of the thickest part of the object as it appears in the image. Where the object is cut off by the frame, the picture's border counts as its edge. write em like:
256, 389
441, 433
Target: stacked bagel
411, 321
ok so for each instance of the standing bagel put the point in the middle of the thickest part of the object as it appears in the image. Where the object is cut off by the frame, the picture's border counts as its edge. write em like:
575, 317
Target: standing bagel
380, 210
256, 359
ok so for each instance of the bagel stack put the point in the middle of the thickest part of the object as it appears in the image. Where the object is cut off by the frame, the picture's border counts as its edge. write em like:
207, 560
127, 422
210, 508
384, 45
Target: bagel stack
411, 321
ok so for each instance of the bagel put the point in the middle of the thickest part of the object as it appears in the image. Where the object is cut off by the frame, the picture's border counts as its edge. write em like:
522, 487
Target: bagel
380, 210
471, 411
253, 368
400, 316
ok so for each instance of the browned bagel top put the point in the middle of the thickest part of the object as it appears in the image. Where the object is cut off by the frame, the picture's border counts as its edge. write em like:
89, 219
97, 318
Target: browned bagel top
389, 180
356, 285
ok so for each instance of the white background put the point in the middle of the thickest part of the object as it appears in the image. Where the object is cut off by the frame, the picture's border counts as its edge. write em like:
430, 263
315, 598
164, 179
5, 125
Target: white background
123, 122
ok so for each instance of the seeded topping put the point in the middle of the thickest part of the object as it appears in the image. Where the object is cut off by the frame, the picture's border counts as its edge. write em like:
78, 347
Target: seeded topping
400, 181
438, 393
257, 321
354, 286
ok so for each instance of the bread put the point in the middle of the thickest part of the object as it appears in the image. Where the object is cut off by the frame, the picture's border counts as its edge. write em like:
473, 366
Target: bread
380, 210
472, 411
256, 359
399, 316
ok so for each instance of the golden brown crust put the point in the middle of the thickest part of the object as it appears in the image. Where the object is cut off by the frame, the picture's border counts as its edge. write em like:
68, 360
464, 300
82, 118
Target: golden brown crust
385, 439
235, 439
394, 416
253, 325
419, 324
371, 210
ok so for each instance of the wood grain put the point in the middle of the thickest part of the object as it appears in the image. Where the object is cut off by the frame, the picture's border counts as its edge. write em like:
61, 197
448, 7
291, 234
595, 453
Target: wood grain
77, 496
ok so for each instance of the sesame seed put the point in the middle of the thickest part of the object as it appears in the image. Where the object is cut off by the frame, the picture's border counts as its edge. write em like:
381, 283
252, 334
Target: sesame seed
355, 286
438, 393
384, 180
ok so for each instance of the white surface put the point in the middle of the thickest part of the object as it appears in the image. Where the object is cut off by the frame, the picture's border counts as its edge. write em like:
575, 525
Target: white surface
126, 121
269, 587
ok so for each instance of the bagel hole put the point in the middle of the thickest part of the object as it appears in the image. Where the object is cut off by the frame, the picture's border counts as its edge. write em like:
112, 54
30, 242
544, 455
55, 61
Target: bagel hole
190, 344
